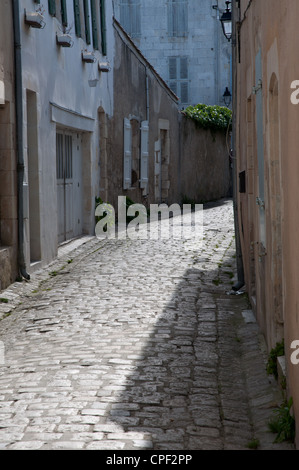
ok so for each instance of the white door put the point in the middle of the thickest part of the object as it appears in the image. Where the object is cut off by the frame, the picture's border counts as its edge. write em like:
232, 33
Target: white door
69, 194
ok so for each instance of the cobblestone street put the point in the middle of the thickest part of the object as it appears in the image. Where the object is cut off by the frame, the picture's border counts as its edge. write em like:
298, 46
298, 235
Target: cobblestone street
134, 345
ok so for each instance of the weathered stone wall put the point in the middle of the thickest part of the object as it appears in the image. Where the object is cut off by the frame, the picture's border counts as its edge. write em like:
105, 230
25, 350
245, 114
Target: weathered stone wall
205, 163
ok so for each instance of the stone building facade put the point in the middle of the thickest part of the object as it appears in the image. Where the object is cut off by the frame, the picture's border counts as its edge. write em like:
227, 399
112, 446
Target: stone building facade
184, 42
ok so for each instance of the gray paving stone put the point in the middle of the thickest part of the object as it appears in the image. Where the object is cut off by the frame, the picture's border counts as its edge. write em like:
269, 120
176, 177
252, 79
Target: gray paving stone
135, 345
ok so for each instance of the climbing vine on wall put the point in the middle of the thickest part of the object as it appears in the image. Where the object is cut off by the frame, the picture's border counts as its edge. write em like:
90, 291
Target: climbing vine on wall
215, 118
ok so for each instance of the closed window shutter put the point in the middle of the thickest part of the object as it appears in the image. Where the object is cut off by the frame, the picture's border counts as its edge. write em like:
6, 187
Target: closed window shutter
130, 17
178, 77
178, 18
127, 153
135, 20
103, 27
87, 21
172, 68
94, 21
144, 155
77, 17
63, 12
184, 68
184, 92
52, 7
172, 74
182, 15
124, 16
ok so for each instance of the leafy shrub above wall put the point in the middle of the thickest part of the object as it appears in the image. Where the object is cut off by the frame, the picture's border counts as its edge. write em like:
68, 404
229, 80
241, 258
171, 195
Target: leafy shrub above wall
215, 118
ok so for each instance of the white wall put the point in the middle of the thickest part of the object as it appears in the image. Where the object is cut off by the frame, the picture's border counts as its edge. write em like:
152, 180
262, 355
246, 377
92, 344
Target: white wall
64, 98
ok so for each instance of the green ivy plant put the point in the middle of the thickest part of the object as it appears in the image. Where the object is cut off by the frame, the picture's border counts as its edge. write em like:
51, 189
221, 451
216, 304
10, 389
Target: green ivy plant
215, 118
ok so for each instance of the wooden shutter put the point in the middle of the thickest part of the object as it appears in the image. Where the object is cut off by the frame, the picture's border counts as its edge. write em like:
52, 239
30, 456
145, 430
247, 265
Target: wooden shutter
144, 155
177, 18
127, 153
103, 27
184, 68
77, 17
63, 12
184, 95
52, 7
172, 68
87, 22
94, 23
135, 20
172, 74
184, 92
182, 18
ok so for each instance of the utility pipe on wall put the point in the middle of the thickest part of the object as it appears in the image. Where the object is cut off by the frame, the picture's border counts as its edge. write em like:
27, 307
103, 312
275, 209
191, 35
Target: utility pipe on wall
19, 133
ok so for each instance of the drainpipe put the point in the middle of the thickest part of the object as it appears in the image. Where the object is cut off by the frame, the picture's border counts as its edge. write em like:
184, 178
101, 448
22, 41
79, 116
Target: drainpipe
19, 134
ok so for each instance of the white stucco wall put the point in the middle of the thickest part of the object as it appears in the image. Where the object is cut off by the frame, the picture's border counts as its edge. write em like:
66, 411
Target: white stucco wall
64, 98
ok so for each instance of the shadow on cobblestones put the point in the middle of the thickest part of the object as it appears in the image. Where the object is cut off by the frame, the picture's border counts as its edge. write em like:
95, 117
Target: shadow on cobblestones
189, 390
135, 346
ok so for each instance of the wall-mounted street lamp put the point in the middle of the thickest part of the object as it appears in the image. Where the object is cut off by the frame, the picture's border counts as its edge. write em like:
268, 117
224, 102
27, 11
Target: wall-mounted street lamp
227, 97
226, 22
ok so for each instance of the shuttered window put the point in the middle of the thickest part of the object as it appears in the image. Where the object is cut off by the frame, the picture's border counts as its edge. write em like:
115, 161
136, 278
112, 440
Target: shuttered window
63, 13
103, 27
178, 77
130, 17
87, 21
94, 23
52, 7
77, 17
177, 18
63, 10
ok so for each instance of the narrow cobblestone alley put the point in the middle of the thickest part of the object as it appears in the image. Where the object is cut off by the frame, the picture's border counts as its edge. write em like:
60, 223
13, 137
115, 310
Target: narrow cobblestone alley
134, 345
